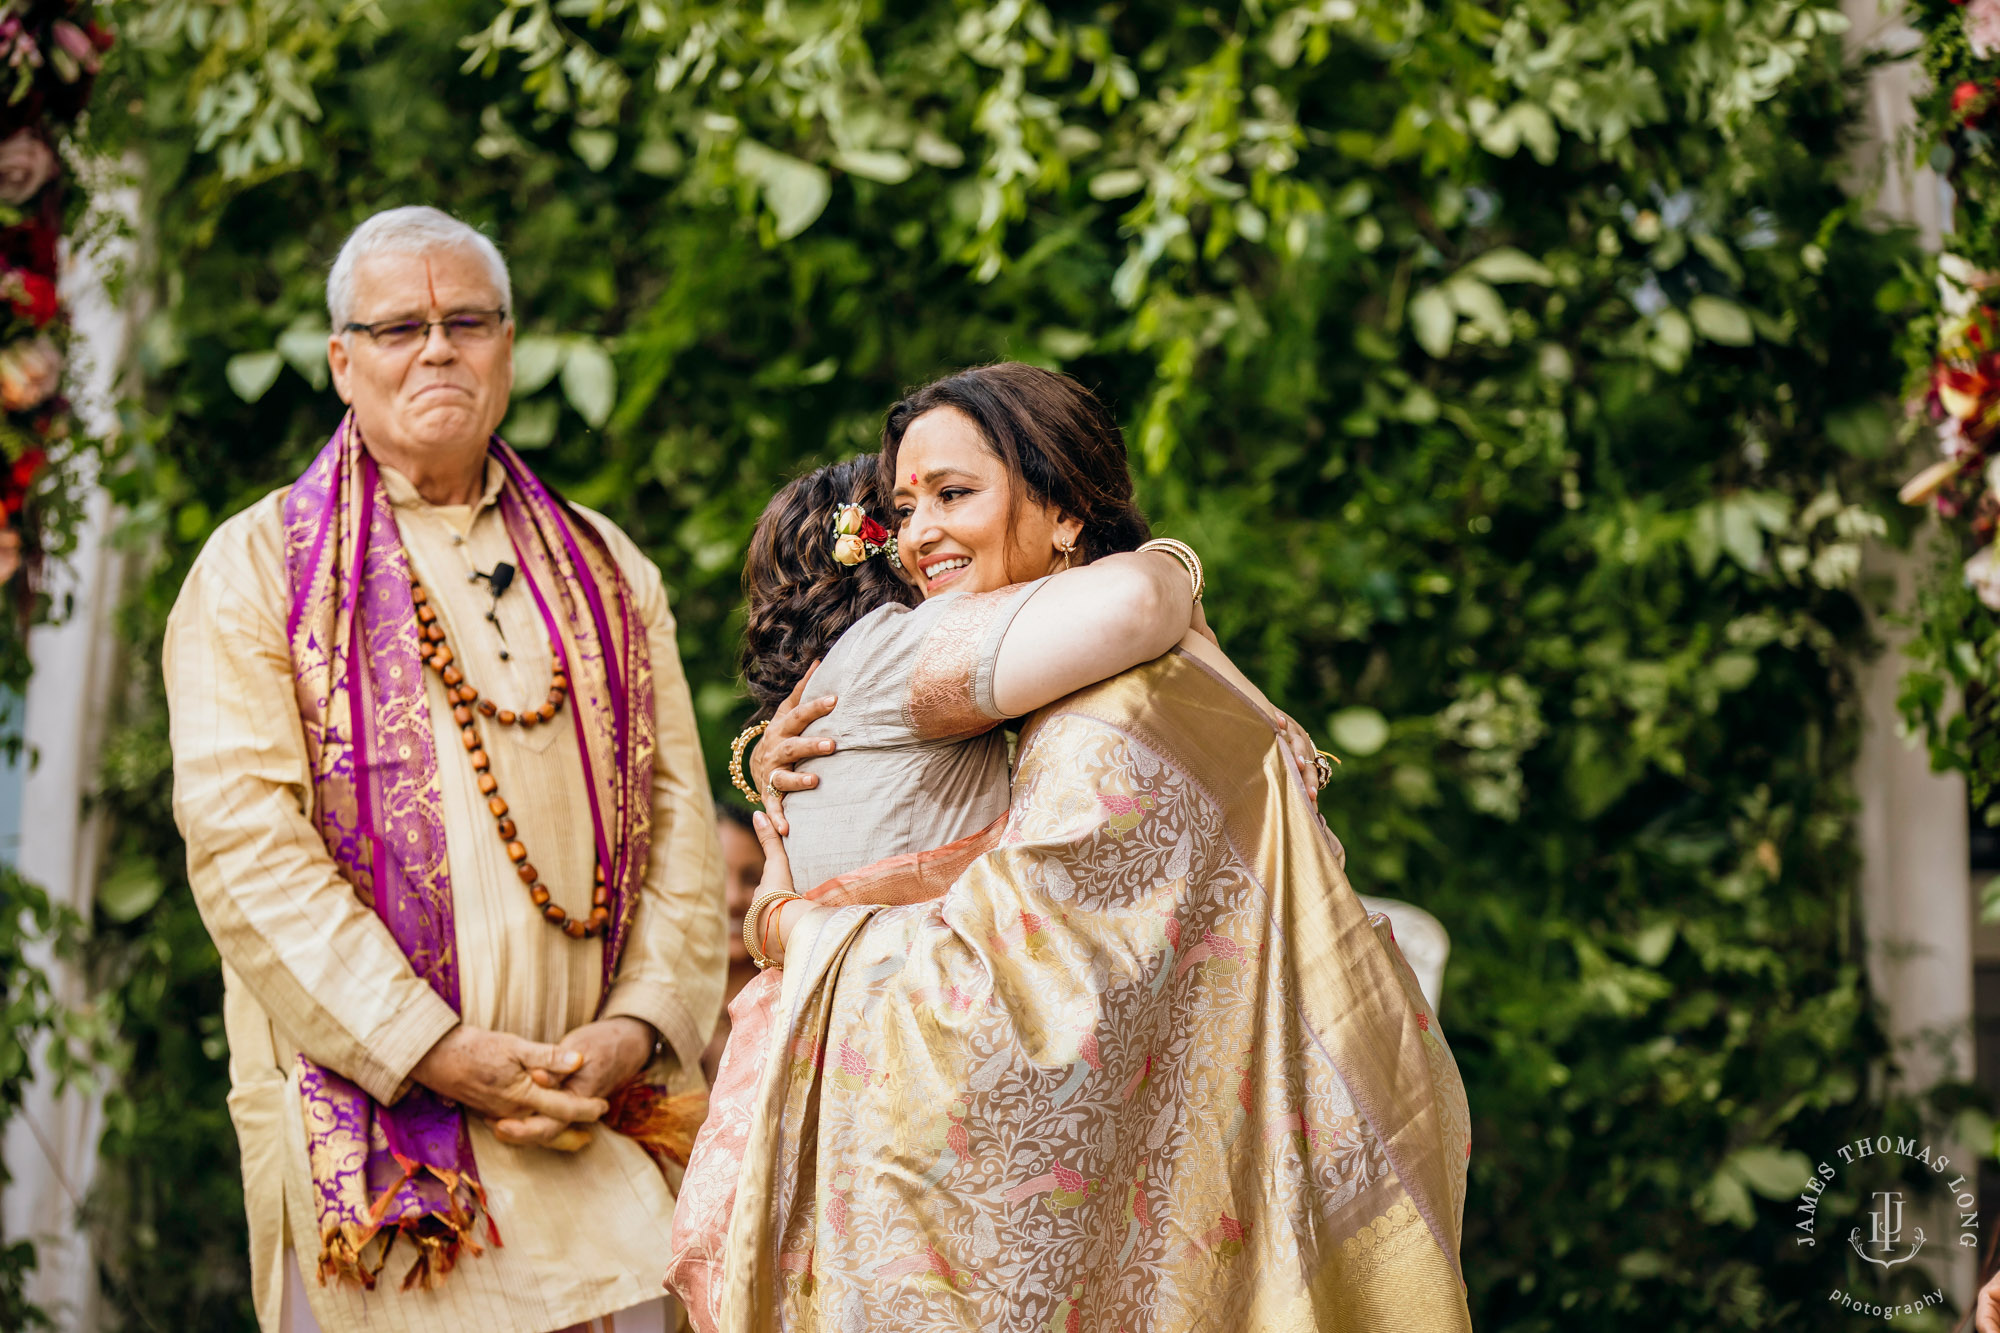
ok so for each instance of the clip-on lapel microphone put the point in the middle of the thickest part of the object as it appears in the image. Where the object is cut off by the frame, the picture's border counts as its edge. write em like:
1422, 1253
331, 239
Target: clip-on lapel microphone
497, 582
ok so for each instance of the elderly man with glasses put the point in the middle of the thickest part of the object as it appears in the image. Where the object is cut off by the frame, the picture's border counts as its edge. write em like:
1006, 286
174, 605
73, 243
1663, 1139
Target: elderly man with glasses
447, 821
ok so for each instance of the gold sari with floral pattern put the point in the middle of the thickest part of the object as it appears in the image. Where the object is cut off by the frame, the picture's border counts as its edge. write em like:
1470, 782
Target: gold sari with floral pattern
1146, 1064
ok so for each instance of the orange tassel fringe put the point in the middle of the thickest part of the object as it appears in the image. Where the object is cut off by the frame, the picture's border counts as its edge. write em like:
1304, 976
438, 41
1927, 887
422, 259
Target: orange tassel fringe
663, 1125
358, 1253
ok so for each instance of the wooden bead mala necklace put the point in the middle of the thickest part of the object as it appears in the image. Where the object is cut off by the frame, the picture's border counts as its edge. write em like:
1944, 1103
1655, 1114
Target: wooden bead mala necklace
466, 708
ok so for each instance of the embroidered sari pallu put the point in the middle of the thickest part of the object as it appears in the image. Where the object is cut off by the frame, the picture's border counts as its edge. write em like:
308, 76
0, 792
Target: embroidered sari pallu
1146, 1065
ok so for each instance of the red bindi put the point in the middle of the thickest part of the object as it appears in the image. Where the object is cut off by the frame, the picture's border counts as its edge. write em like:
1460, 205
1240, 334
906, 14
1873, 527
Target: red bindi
913, 478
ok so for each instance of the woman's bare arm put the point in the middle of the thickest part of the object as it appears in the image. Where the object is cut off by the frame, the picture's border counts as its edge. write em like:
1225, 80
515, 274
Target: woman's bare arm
1086, 625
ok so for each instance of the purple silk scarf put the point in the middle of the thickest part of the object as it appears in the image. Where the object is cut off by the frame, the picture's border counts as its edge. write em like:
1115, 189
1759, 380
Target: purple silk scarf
380, 1172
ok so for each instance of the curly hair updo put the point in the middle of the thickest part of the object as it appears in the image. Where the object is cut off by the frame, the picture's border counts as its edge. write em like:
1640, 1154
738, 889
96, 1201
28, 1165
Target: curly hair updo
800, 598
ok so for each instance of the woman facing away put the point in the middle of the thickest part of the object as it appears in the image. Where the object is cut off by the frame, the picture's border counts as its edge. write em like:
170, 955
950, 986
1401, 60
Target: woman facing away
1144, 1063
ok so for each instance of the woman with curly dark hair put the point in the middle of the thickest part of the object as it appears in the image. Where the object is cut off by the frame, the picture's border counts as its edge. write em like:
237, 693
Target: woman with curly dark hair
799, 597
1118, 1048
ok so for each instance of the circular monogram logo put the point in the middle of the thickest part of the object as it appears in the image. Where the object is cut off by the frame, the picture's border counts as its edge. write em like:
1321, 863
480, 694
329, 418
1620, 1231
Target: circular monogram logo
1887, 1235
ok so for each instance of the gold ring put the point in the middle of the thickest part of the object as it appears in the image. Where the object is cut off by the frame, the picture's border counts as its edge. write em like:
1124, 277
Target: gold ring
1323, 763
736, 748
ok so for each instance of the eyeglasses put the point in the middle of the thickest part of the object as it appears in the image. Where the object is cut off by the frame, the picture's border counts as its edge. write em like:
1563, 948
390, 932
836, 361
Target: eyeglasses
463, 328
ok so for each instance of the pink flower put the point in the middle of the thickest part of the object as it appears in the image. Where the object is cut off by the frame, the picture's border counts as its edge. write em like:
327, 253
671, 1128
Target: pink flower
77, 43
30, 370
27, 163
1982, 27
20, 48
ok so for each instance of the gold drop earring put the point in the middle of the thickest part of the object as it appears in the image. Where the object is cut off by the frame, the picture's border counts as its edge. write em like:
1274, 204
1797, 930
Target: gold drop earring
1067, 548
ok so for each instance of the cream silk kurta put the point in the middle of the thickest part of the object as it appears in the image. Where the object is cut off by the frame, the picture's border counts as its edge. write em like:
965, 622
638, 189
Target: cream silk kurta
308, 968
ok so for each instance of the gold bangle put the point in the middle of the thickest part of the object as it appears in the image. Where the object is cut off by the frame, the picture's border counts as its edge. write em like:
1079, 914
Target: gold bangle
736, 748
1182, 552
753, 922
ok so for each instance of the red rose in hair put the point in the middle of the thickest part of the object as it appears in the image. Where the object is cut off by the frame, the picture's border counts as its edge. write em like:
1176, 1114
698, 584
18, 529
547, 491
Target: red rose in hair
873, 533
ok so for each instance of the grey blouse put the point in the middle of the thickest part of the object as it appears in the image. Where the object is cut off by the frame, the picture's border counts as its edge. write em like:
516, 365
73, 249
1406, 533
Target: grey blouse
921, 760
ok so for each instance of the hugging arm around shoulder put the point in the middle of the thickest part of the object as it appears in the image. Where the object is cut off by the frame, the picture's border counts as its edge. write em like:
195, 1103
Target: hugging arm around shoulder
1086, 625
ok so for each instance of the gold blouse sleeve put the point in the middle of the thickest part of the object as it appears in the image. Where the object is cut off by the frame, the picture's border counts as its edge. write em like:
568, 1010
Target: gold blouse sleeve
951, 686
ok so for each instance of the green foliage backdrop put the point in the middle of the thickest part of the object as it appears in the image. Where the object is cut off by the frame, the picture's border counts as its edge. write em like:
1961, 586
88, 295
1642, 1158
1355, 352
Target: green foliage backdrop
1513, 365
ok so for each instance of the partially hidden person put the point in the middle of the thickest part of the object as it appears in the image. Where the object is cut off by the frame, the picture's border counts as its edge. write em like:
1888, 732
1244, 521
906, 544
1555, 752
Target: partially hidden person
743, 871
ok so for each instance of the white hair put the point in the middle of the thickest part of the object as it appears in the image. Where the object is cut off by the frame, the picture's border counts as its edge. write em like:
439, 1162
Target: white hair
416, 229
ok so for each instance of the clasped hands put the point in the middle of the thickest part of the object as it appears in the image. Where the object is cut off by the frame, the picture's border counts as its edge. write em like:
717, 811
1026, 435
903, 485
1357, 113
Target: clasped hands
532, 1093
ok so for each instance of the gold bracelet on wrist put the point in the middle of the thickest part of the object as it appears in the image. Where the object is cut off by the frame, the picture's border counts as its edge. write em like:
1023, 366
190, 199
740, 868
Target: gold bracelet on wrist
753, 922
736, 748
1182, 552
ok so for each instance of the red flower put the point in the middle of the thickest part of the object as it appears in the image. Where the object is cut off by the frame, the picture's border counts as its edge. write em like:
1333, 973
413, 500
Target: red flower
1970, 101
1962, 393
14, 486
873, 533
32, 296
